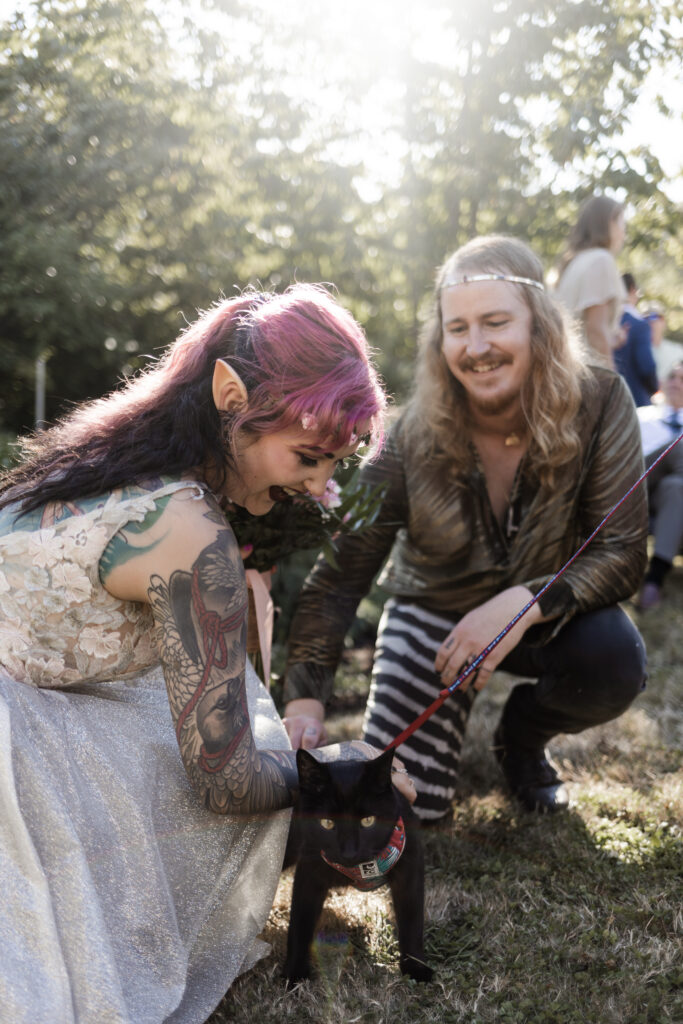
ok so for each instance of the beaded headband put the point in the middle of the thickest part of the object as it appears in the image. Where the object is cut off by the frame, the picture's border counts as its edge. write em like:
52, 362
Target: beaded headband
468, 278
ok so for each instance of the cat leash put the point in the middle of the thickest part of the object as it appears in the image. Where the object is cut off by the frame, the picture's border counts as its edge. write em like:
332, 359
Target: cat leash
473, 665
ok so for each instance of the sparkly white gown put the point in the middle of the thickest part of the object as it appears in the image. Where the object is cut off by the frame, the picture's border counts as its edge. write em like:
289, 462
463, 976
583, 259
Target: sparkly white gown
121, 898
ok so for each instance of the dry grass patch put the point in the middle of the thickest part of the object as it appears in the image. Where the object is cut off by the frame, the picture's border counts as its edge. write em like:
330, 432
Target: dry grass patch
574, 919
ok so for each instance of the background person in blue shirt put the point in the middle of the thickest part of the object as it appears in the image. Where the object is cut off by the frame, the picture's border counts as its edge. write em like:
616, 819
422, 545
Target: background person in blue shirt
635, 360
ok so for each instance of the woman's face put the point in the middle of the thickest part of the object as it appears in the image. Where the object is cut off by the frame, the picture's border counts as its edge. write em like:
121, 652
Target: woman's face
278, 466
486, 342
617, 233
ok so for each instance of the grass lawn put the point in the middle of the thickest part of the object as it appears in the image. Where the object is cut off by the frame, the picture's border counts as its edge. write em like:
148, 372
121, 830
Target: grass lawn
573, 919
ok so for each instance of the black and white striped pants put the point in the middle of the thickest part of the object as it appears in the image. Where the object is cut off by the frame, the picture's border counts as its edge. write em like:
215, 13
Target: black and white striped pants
588, 673
404, 683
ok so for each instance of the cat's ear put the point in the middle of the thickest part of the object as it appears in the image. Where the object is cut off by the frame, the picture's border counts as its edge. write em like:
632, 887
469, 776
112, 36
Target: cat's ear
378, 771
313, 776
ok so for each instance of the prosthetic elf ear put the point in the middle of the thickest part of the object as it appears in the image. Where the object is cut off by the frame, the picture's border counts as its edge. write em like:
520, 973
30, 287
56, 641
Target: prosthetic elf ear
228, 387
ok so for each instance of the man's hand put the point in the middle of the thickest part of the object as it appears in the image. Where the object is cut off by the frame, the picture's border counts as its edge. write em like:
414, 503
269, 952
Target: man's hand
304, 722
477, 629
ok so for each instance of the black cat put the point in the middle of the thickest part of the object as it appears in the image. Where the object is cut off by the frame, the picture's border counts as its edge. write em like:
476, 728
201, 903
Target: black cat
351, 826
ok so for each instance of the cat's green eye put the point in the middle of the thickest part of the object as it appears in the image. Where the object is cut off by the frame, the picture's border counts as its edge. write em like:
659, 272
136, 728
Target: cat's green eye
327, 823
369, 821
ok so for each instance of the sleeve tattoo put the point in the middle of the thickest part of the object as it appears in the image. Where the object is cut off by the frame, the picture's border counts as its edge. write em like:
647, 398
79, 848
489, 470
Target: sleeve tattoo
201, 622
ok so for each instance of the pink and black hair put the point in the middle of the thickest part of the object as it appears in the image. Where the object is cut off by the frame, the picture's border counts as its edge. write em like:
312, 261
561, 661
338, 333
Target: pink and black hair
298, 353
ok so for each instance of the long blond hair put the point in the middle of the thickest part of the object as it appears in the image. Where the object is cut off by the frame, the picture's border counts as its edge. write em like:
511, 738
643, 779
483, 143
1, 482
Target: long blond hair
436, 420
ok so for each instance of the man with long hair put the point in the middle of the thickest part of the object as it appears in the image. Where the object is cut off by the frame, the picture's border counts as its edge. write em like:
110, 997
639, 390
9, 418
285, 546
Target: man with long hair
510, 452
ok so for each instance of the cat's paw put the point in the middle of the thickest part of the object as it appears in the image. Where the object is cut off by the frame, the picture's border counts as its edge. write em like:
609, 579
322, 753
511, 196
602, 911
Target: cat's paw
295, 975
416, 969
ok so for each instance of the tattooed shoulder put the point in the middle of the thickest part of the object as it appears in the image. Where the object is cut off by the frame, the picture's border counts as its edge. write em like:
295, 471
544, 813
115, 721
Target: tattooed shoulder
125, 545
214, 511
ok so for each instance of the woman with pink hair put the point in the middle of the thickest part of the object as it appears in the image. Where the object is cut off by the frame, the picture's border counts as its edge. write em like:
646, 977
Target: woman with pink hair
140, 847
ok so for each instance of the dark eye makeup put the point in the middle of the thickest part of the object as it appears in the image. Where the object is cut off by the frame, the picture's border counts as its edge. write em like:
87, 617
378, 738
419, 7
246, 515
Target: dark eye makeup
309, 460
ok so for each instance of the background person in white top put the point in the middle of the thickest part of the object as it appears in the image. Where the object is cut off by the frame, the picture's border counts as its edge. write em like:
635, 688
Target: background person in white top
590, 285
659, 425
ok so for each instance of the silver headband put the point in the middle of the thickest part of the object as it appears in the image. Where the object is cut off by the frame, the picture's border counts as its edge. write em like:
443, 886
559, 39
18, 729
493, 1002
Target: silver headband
468, 278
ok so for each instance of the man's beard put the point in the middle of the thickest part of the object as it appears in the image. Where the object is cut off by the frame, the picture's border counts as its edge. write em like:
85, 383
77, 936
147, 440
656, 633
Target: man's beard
496, 405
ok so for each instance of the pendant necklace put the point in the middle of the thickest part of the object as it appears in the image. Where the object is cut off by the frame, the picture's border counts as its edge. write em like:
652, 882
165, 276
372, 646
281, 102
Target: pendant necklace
512, 439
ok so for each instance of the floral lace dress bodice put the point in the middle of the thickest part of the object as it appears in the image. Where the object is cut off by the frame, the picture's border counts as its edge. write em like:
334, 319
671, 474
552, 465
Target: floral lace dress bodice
59, 627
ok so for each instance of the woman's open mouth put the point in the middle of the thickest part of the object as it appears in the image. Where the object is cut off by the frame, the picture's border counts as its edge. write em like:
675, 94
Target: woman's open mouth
278, 493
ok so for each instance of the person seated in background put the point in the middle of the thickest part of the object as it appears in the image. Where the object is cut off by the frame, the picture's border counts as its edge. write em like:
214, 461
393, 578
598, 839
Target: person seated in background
659, 426
635, 360
666, 351
510, 452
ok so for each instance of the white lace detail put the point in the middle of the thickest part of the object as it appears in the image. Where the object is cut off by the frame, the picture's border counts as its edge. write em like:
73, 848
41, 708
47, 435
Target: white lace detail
58, 625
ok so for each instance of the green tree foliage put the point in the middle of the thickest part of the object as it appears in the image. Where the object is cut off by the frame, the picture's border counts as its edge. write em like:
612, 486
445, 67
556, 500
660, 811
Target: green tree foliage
522, 125
93, 135
142, 182
506, 125
155, 155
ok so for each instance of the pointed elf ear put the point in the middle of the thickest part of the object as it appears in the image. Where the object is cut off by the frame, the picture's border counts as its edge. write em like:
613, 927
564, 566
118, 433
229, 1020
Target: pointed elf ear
228, 387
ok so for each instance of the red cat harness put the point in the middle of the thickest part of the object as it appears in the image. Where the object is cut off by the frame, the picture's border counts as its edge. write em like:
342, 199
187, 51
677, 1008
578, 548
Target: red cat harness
370, 874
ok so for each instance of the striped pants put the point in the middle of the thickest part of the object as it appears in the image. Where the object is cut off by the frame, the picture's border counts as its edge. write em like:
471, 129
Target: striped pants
403, 684
587, 674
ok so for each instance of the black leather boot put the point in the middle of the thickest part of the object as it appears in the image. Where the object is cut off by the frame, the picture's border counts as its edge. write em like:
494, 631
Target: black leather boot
530, 776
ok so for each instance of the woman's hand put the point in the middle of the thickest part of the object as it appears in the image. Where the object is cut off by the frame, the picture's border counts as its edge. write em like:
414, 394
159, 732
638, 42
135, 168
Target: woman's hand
403, 782
304, 722
477, 629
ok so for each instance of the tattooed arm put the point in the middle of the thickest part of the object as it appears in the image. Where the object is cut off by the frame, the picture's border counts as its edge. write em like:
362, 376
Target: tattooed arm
189, 562
201, 618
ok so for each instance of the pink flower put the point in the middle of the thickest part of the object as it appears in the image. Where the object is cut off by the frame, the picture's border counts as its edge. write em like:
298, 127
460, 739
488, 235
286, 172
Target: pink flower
309, 422
332, 496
